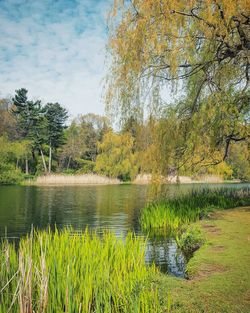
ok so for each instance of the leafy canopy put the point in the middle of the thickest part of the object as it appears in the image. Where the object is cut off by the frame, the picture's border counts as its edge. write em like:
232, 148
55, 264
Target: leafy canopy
199, 48
116, 158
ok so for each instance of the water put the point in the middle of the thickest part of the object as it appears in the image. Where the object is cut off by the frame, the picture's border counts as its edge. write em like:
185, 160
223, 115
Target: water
101, 207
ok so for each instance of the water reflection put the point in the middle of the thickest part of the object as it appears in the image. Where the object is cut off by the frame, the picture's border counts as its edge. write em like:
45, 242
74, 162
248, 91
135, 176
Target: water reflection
100, 207
166, 256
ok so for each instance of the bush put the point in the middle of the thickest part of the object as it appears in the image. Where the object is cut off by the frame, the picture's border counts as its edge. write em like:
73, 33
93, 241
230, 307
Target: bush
28, 176
190, 240
69, 171
86, 166
9, 175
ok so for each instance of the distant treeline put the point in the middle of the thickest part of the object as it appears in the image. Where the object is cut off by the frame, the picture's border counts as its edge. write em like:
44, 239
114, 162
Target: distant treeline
35, 139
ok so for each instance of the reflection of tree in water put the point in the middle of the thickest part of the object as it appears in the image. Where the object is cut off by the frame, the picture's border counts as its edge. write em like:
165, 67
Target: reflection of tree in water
166, 256
117, 207
17, 209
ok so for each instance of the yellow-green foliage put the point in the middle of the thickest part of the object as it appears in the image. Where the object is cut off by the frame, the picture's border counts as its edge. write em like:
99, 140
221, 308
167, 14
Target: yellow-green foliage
12, 153
200, 51
69, 272
116, 158
222, 169
174, 39
239, 159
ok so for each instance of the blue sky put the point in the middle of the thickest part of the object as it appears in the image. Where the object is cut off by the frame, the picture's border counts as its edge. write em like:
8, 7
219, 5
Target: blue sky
55, 49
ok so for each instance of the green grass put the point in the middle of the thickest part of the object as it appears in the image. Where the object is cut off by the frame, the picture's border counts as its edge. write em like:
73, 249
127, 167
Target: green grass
171, 214
219, 271
67, 272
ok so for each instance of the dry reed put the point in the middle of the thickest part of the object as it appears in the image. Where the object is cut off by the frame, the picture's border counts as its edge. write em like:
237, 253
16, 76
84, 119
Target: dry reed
87, 179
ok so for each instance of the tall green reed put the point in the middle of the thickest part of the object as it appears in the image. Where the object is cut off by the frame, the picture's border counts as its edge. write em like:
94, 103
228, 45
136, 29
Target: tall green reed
171, 214
68, 272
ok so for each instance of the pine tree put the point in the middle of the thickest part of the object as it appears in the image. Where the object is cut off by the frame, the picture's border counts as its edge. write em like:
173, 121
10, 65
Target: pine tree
31, 121
56, 117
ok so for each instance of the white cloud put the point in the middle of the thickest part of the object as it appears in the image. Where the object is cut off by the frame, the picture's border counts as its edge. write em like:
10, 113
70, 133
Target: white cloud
56, 51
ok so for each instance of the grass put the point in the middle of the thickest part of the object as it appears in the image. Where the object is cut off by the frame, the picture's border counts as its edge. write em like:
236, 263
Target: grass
68, 272
171, 214
219, 271
85, 179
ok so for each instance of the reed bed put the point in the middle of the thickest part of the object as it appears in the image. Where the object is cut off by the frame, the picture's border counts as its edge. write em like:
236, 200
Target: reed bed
67, 272
86, 179
171, 214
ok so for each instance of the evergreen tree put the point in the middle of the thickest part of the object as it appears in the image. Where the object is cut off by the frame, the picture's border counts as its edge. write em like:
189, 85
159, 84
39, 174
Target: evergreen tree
27, 112
30, 120
56, 117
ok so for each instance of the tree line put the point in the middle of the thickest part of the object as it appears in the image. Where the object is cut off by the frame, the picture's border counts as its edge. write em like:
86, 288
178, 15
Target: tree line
38, 139
196, 51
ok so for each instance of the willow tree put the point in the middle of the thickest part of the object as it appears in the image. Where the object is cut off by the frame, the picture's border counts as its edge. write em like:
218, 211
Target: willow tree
201, 49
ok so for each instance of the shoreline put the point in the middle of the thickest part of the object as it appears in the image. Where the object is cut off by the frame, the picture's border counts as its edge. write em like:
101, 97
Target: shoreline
218, 271
146, 179
96, 180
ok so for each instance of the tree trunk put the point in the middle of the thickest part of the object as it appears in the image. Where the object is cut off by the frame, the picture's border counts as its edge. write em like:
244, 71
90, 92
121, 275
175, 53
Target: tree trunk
44, 163
50, 157
178, 179
17, 161
26, 166
33, 155
68, 162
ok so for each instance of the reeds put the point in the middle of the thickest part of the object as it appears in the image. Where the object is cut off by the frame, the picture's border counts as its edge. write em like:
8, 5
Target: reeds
86, 179
69, 272
171, 214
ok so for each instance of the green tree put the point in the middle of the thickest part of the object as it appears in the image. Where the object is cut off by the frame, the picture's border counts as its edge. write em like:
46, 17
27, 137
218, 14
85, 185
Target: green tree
31, 121
82, 136
7, 121
56, 117
115, 158
93, 127
9, 172
22, 151
239, 160
75, 146
27, 112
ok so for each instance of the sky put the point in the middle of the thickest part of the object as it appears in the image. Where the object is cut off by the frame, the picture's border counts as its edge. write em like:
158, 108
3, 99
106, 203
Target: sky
56, 50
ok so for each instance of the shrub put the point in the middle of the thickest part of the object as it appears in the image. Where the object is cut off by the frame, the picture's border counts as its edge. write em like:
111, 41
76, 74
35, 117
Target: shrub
9, 175
190, 240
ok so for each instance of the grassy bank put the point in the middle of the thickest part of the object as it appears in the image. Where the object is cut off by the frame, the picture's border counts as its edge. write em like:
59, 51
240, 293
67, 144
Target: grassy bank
65, 272
219, 271
167, 214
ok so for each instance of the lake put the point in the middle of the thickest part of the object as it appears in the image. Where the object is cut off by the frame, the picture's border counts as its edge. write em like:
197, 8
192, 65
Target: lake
114, 207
